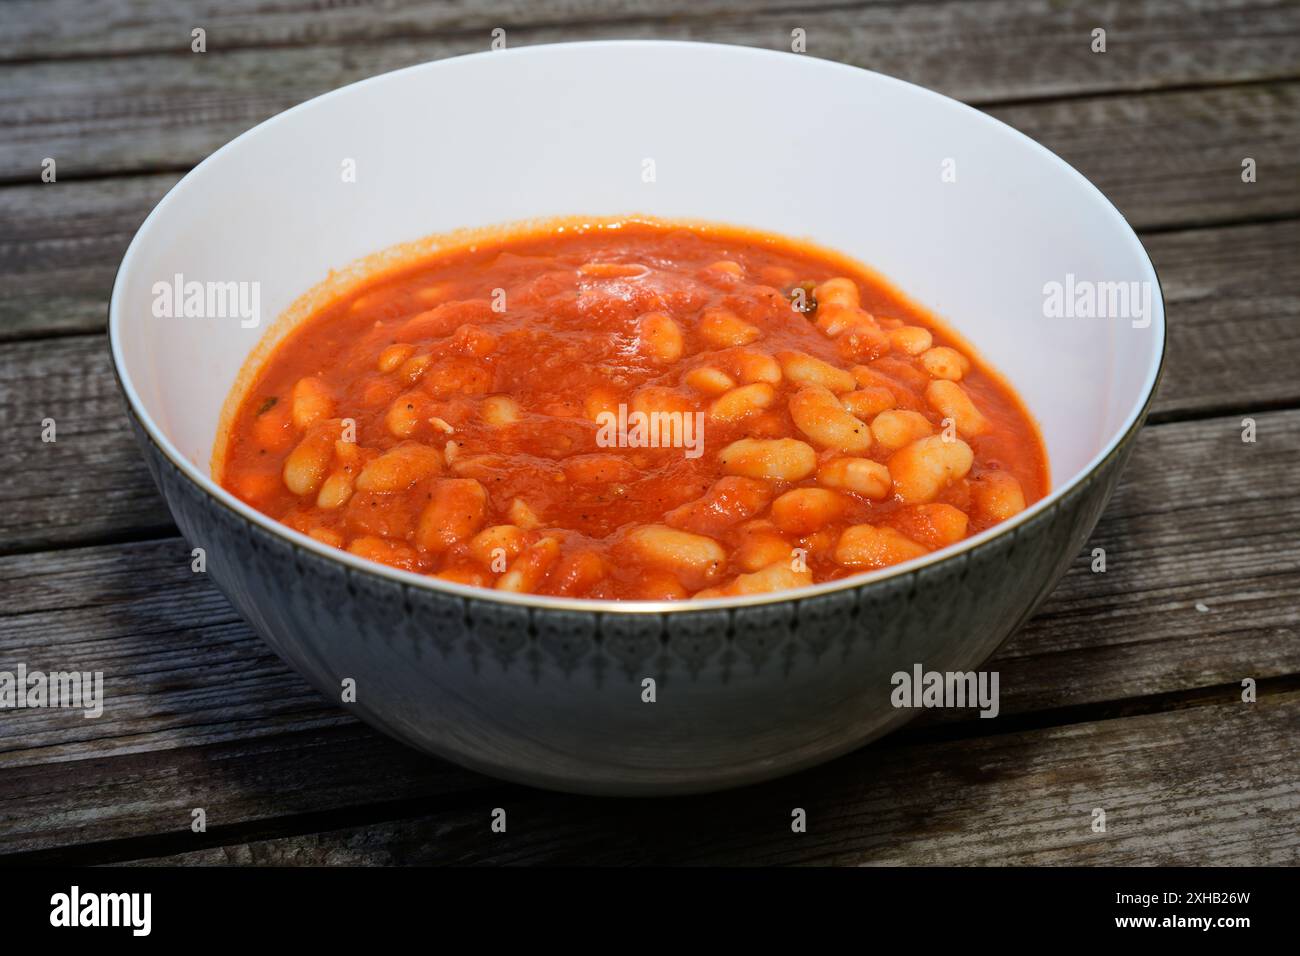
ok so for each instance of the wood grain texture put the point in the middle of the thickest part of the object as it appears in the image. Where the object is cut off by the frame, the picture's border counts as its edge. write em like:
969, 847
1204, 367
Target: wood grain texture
196, 705
166, 111
990, 48
1212, 784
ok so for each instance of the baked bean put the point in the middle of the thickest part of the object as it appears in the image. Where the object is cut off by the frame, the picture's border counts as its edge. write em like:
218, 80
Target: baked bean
729, 499
935, 525
722, 328
661, 337
668, 547
898, 427
600, 401
395, 553
501, 541
776, 577
997, 495
911, 339
806, 370
754, 366
400, 467
500, 410
819, 415
311, 402
742, 402
710, 380
530, 567
522, 515
946, 363
577, 573
871, 546
862, 476
784, 459
867, 403
759, 544
804, 510
951, 401
456, 512
838, 291
304, 469
393, 356
335, 490
927, 466
327, 536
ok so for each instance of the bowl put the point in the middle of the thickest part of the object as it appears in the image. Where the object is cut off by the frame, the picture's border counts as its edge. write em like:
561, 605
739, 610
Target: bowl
995, 234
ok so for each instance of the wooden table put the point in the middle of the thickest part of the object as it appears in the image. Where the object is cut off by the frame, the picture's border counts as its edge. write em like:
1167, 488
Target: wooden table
1124, 693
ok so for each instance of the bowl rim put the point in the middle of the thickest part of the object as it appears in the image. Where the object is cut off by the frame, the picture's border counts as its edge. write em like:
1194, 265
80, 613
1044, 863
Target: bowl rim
971, 546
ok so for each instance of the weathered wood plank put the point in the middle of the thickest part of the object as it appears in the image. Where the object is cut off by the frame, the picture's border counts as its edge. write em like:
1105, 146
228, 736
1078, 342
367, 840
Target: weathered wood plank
168, 110
1234, 306
1193, 523
1176, 788
993, 47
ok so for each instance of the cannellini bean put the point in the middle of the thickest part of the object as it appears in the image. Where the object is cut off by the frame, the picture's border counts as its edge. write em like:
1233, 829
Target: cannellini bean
935, 525
870, 546
600, 400
757, 367
530, 567
661, 337
862, 476
838, 291
456, 512
742, 402
911, 339
927, 466
722, 328
785, 459
659, 585
819, 415
327, 536
311, 402
776, 577
806, 370
414, 367
501, 541
896, 428
729, 500
577, 573
395, 553
522, 515
393, 356
760, 545
943, 362
463, 575
835, 319
726, 267
660, 398
997, 495
680, 550
951, 401
474, 341
304, 469
335, 490
405, 414
710, 380
500, 410
598, 469
867, 403
805, 510
400, 467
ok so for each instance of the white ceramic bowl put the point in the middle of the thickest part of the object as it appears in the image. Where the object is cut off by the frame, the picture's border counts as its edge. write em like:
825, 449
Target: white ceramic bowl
964, 214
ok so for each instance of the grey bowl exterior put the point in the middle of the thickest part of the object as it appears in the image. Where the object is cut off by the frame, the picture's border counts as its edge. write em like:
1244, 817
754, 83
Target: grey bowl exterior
553, 698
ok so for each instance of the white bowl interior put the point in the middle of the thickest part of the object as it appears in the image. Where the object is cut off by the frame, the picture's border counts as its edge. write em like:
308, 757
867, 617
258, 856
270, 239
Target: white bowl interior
853, 160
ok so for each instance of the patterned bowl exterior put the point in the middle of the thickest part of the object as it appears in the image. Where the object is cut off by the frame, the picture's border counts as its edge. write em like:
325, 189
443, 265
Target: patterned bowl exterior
554, 698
